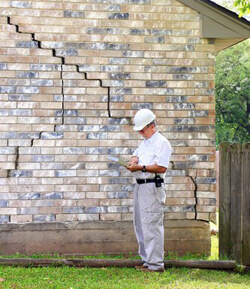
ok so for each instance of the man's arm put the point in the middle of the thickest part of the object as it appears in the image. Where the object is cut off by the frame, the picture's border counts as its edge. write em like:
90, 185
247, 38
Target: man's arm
132, 167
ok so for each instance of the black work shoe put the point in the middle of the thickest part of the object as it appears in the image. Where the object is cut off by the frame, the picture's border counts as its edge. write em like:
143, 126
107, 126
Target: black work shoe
161, 270
140, 267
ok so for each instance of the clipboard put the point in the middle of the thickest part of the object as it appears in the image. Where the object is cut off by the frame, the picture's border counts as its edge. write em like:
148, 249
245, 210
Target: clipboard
121, 161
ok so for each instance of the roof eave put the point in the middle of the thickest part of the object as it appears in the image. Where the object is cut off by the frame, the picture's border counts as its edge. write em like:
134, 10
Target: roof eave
218, 22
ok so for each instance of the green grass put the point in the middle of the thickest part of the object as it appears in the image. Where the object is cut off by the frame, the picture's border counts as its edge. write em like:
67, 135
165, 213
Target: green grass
66, 277
125, 278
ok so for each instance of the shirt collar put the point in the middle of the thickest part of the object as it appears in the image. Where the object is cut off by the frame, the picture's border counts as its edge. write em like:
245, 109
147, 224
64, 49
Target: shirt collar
153, 137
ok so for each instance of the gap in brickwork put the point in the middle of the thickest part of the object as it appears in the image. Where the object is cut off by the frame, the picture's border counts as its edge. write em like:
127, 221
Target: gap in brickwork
195, 194
62, 87
194, 180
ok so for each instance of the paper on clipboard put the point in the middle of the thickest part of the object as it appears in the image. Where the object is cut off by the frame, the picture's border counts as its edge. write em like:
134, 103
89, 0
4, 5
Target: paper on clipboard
118, 160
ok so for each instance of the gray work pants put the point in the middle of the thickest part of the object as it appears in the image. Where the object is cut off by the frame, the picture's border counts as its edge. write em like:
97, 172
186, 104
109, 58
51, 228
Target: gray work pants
148, 223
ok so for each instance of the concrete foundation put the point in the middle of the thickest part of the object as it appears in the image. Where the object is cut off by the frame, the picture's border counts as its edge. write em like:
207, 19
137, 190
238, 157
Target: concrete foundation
181, 236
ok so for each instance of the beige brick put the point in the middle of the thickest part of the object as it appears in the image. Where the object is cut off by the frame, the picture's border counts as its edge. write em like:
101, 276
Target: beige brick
207, 209
8, 104
208, 165
87, 203
127, 202
66, 217
98, 195
65, 188
86, 188
180, 201
203, 216
204, 121
51, 151
29, 166
97, 75
180, 194
43, 188
97, 106
50, 210
115, 143
65, 143
96, 166
87, 143
177, 113
175, 216
20, 127
190, 215
127, 217
44, 113
65, 203
8, 211
3, 174
74, 135
8, 120
205, 173
74, 195
42, 127
204, 187
51, 105
110, 217
21, 219
51, 90
179, 158
31, 181
50, 181
75, 181
43, 173
110, 202
48, 143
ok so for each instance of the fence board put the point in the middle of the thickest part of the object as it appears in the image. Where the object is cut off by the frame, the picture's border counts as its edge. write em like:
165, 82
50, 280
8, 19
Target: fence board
224, 207
235, 204
234, 190
246, 205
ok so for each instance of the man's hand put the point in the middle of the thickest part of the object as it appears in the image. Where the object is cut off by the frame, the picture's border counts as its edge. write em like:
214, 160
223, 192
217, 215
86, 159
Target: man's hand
134, 160
133, 164
132, 167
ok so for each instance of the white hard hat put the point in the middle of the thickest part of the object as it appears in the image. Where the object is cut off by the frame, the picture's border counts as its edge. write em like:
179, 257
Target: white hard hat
142, 118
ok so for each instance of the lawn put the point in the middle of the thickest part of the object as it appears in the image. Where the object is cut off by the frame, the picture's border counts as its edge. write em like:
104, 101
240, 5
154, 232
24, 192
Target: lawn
129, 278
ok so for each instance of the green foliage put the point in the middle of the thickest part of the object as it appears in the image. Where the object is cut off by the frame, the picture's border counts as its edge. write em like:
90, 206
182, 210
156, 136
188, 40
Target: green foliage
232, 81
243, 7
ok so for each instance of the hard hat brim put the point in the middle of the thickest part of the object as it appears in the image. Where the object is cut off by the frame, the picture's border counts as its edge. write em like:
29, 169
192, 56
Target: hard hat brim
138, 128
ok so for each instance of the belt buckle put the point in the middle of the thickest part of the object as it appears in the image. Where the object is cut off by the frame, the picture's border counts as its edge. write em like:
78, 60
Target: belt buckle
144, 181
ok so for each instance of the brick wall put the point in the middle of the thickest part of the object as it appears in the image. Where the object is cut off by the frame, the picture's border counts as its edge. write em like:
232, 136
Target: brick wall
72, 76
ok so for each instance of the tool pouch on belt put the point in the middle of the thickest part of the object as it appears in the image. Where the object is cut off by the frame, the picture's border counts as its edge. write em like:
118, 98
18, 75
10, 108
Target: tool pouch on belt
160, 190
158, 181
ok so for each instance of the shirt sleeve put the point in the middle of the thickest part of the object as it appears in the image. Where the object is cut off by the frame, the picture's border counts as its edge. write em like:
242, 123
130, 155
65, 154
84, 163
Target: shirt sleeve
163, 154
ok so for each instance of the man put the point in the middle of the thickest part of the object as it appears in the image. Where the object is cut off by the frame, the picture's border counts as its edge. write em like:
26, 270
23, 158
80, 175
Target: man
149, 164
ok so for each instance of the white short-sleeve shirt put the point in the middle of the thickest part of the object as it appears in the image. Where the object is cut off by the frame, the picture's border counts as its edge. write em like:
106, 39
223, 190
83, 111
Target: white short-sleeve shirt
154, 150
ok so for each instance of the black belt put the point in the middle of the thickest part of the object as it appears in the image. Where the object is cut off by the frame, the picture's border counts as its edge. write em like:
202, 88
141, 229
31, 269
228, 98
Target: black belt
145, 181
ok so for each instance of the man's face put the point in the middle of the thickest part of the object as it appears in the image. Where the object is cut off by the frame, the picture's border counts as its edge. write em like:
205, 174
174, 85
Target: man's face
146, 132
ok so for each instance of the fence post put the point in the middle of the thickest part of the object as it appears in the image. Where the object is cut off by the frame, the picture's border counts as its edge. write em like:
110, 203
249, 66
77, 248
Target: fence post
225, 199
246, 205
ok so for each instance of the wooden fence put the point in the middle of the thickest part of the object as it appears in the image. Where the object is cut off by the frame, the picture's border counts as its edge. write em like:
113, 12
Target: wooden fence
234, 208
